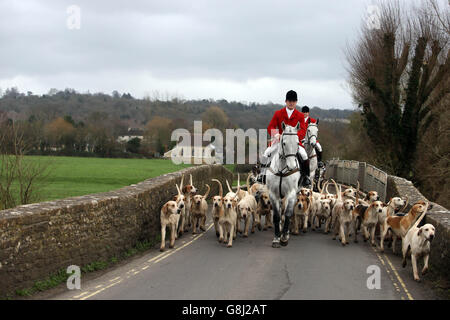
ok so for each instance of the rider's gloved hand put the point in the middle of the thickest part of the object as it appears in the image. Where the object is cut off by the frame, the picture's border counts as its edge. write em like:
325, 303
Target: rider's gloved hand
277, 137
320, 164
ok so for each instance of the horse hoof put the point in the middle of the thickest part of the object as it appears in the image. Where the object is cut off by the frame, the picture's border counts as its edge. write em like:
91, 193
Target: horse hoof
275, 245
217, 234
284, 243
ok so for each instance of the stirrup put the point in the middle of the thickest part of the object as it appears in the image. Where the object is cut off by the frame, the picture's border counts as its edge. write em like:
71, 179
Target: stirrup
306, 182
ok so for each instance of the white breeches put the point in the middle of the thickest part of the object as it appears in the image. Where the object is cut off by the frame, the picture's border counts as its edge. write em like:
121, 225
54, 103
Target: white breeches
318, 147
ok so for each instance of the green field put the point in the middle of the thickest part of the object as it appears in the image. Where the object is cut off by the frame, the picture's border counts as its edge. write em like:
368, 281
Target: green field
75, 176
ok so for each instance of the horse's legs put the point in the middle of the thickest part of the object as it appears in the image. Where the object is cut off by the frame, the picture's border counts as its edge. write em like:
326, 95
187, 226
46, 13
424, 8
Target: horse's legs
276, 221
289, 211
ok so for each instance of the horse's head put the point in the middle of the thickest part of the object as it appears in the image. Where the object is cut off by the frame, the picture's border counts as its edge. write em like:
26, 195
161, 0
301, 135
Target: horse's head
311, 133
289, 145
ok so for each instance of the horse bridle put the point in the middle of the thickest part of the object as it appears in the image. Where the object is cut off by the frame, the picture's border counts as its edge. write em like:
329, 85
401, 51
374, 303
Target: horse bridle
308, 136
282, 155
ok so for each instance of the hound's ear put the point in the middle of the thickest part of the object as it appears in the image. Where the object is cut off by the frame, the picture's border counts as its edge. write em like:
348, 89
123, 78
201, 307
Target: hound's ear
174, 198
419, 232
184, 190
164, 208
366, 197
297, 127
283, 125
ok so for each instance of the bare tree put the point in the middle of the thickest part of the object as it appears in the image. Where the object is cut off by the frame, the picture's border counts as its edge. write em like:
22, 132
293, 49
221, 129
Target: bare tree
396, 73
21, 178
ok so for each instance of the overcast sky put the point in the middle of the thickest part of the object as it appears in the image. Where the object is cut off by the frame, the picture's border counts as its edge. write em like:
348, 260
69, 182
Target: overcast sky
246, 50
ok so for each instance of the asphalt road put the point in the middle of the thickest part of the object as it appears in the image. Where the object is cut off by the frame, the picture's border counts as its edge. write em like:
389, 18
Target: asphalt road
312, 266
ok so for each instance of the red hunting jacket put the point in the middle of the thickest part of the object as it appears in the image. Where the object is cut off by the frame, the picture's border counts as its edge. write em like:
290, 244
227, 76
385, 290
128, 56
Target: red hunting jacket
282, 116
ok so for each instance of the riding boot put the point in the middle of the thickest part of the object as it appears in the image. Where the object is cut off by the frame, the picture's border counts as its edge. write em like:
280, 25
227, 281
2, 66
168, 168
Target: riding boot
305, 181
319, 158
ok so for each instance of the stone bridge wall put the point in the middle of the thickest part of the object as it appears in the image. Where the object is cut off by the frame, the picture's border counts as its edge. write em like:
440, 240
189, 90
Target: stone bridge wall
39, 239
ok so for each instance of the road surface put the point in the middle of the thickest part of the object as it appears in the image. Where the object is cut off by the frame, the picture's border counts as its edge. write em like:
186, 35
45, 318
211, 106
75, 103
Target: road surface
312, 266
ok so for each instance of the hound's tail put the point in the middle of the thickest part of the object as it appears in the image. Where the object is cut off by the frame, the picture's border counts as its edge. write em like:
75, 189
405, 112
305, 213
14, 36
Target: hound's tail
220, 187
338, 190
420, 218
228, 185
248, 184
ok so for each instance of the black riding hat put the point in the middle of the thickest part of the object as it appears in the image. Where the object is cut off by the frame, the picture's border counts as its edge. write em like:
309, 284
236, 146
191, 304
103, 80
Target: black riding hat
305, 109
291, 95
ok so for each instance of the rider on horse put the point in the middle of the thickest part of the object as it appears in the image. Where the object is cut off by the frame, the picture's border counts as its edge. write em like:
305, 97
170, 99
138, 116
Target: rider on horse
290, 116
318, 147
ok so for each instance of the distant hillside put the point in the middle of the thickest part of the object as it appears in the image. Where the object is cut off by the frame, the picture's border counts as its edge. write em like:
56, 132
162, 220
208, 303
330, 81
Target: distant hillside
126, 111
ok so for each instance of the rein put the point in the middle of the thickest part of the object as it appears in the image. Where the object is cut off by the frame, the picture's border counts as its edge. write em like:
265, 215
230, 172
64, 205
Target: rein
283, 156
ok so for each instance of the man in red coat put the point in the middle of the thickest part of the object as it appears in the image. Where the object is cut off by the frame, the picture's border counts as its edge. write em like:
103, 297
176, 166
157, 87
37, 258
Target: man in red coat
290, 116
318, 147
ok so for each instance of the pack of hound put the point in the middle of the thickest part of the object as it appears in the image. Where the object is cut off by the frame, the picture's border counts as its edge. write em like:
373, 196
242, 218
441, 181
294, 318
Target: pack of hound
343, 213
